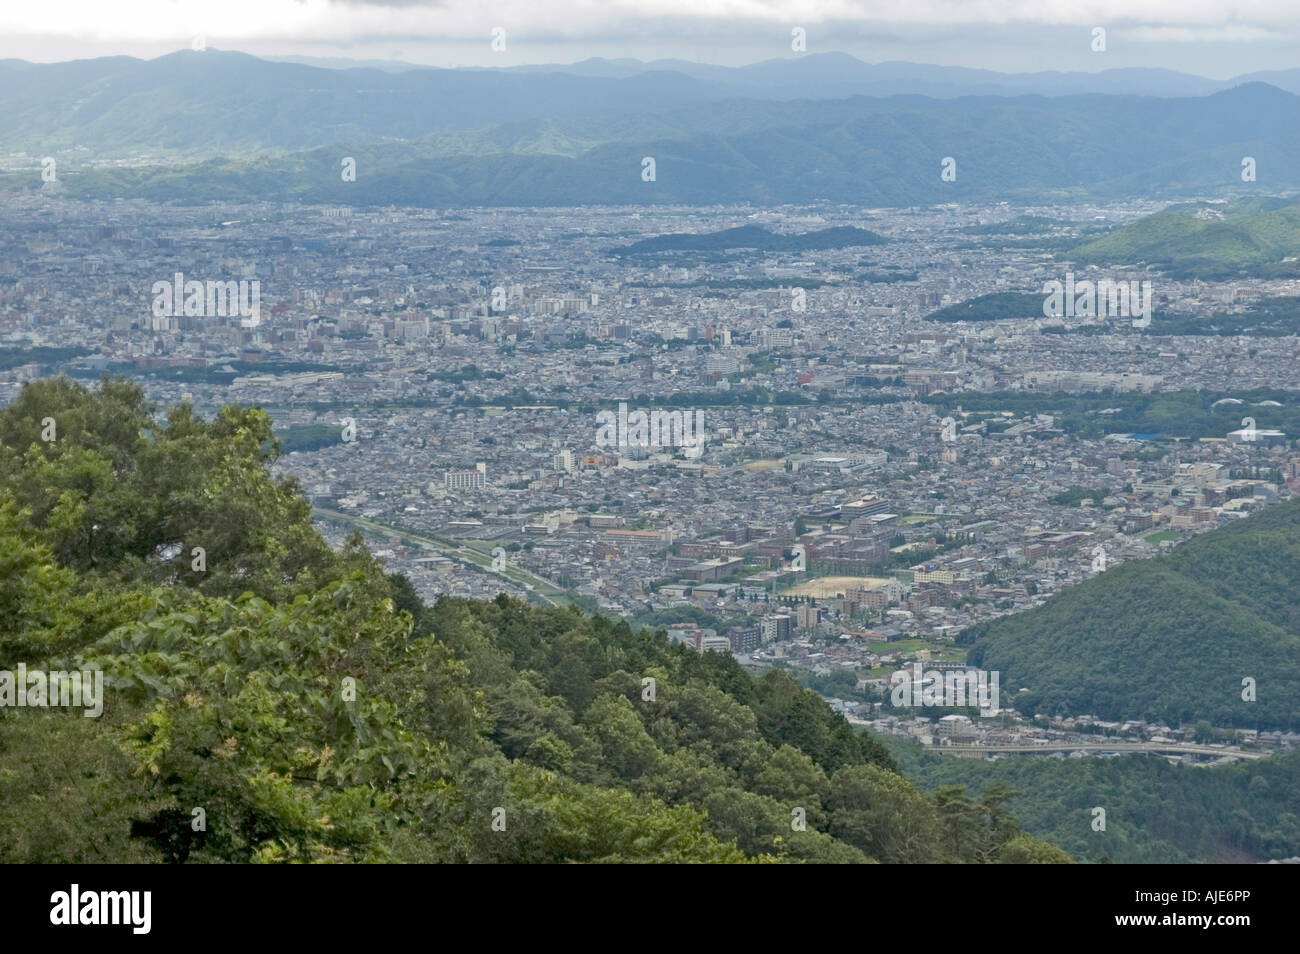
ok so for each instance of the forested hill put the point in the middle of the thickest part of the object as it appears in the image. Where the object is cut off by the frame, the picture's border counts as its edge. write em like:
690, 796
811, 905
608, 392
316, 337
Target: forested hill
1170, 638
269, 699
753, 237
1206, 240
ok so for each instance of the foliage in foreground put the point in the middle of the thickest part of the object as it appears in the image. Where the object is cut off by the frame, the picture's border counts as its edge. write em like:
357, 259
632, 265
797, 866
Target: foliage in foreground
287, 703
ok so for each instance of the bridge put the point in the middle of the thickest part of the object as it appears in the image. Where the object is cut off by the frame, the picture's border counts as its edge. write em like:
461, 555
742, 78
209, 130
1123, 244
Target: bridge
1181, 748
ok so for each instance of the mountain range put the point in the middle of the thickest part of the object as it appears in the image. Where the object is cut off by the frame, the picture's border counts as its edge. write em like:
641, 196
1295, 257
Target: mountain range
231, 126
836, 75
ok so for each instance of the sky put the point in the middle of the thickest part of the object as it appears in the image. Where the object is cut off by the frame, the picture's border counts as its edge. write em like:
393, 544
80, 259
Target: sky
1214, 38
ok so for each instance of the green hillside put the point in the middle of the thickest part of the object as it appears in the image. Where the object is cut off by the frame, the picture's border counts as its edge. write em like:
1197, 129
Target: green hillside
751, 236
1206, 240
269, 699
1170, 638
993, 307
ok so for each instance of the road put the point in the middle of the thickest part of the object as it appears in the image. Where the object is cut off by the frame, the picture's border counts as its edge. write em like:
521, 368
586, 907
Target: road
1179, 747
537, 586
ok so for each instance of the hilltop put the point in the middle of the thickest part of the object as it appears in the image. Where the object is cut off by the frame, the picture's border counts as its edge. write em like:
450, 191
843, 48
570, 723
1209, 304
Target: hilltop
1207, 240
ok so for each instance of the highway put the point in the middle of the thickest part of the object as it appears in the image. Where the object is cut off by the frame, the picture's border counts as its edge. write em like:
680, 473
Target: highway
537, 586
1185, 748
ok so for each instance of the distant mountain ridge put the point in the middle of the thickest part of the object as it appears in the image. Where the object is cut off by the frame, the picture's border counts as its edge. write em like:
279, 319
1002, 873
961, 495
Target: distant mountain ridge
216, 103
859, 150
833, 75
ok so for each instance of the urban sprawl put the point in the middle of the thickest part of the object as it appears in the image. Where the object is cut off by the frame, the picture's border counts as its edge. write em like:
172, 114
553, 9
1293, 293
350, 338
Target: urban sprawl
753, 450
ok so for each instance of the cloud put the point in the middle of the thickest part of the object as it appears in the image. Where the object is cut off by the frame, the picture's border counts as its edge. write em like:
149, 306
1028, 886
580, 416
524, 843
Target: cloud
993, 33
390, 3
1228, 34
341, 20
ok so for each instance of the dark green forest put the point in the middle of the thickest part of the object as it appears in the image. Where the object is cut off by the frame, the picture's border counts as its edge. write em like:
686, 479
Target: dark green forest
992, 307
751, 236
1277, 317
308, 437
1169, 414
270, 699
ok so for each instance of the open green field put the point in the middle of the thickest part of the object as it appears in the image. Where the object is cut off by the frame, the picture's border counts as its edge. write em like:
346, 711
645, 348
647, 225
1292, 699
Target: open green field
1162, 535
908, 645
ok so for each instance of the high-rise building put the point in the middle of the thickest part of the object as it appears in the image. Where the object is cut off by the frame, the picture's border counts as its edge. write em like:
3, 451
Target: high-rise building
744, 638
769, 338
475, 479
775, 628
721, 364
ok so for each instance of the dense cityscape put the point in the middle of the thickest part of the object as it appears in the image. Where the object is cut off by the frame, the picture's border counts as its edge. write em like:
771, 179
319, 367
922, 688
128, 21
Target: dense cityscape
443, 373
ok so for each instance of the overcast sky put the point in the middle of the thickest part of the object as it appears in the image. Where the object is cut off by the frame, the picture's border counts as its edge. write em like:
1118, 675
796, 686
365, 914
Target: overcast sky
1216, 38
